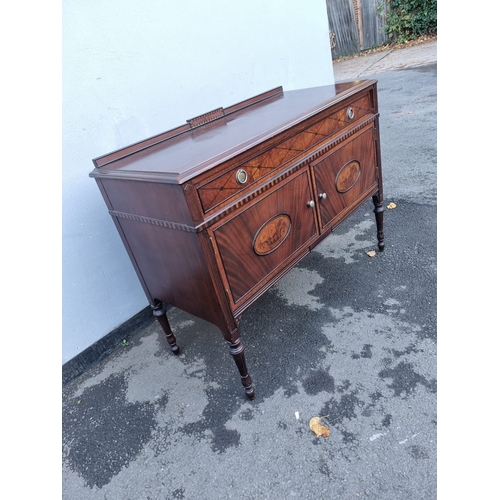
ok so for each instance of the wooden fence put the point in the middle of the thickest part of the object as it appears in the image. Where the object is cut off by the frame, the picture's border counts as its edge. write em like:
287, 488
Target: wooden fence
356, 25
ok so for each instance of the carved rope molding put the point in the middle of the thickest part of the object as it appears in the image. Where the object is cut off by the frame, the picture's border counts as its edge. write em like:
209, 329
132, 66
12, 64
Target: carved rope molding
154, 222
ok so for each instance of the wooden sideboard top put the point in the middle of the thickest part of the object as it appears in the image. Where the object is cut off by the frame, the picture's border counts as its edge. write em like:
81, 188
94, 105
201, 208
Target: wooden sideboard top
203, 142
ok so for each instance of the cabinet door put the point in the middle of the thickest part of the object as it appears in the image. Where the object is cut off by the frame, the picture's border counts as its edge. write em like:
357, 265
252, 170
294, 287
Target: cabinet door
261, 240
345, 177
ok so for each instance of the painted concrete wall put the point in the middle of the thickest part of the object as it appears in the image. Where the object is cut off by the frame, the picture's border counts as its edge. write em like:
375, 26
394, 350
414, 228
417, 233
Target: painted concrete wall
134, 69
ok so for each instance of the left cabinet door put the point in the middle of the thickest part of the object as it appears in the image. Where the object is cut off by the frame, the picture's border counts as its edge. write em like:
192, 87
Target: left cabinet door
258, 242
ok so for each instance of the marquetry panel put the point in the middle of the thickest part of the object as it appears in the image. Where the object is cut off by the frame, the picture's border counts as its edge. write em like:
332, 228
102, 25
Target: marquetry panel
257, 241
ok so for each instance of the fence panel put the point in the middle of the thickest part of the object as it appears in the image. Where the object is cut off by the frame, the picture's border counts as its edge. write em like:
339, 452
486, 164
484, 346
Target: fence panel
343, 25
373, 14
356, 25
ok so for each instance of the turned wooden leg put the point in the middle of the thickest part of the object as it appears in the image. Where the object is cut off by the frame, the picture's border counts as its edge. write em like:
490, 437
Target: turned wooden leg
160, 313
379, 219
236, 348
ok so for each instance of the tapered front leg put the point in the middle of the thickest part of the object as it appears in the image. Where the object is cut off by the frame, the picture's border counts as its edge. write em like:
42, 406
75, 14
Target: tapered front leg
379, 219
160, 313
237, 350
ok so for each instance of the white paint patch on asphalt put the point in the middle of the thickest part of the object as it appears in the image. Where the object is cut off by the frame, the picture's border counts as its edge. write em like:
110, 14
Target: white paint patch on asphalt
296, 288
346, 246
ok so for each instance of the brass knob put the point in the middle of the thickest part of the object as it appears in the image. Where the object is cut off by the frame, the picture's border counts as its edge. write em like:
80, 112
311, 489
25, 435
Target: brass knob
241, 176
310, 204
350, 113
322, 196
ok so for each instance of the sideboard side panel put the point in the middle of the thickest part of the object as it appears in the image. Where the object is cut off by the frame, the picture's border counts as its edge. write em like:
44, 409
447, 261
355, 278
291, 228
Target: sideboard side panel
155, 225
174, 269
124, 241
148, 199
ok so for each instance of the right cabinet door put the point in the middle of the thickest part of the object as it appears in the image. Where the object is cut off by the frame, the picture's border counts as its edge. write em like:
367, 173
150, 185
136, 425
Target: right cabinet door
345, 177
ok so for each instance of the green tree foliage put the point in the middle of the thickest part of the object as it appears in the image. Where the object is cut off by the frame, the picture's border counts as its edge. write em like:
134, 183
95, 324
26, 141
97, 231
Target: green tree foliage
410, 19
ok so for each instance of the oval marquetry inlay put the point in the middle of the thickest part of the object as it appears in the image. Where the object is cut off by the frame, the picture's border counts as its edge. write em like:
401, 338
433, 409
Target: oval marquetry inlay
272, 234
348, 176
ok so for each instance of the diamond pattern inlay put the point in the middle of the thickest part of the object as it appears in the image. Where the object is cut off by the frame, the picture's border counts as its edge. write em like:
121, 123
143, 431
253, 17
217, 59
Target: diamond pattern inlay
225, 186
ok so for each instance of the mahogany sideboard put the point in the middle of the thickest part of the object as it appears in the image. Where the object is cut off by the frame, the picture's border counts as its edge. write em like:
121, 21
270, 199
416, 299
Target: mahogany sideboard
214, 212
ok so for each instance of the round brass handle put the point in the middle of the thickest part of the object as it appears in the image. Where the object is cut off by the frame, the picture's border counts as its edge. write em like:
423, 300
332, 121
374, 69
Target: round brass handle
241, 176
310, 204
350, 113
322, 196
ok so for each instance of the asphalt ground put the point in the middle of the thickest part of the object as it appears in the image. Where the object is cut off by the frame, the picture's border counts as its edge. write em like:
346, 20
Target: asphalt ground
344, 336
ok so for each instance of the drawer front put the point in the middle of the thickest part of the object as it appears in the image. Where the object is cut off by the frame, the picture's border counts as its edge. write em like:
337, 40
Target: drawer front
344, 176
262, 239
220, 189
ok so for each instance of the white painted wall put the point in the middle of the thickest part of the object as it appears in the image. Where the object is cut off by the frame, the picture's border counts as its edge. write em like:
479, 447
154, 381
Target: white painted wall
135, 68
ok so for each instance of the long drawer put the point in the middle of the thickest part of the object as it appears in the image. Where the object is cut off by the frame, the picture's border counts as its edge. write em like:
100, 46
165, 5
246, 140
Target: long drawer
230, 183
